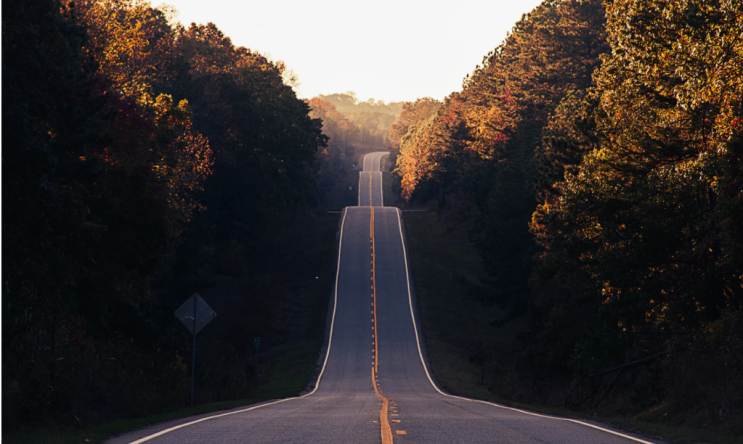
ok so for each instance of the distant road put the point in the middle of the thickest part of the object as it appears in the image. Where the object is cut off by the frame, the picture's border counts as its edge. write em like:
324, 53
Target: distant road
370, 181
374, 386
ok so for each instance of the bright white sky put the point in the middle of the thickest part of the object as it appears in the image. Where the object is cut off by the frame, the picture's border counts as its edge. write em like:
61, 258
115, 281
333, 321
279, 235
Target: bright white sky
391, 50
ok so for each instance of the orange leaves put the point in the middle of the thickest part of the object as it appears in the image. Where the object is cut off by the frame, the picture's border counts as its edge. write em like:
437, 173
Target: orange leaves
498, 115
412, 113
132, 43
635, 197
183, 159
413, 135
134, 47
682, 62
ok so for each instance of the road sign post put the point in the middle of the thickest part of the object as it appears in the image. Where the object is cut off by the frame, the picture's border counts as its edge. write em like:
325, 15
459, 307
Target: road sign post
193, 351
195, 313
257, 345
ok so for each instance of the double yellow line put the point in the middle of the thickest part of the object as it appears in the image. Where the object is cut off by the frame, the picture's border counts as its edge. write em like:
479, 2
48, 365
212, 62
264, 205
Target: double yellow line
383, 419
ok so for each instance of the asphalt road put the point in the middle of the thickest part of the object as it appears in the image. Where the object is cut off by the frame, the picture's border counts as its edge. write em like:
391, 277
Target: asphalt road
374, 386
370, 181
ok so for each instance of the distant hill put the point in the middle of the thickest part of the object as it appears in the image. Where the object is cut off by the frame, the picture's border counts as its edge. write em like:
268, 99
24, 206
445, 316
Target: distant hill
347, 103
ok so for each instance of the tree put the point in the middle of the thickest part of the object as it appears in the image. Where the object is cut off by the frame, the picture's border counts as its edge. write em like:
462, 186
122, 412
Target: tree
641, 214
121, 173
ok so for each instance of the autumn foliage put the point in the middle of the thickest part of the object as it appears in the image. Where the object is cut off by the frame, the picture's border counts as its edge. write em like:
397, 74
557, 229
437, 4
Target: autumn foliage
140, 158
352, 128
600, 145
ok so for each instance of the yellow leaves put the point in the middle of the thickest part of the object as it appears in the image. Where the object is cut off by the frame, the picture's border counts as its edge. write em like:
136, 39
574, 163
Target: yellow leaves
163, 104
658, 314
184, 156
184, 107
682, 52
609, 293
132, 43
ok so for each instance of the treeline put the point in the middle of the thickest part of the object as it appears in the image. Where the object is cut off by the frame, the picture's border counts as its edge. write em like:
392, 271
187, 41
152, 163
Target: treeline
347, 103
406, 135
600, 147
352, 128
140, 159
371, 119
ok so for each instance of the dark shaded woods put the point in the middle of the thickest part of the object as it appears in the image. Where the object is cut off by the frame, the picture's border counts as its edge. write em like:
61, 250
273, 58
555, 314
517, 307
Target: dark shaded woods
141, 161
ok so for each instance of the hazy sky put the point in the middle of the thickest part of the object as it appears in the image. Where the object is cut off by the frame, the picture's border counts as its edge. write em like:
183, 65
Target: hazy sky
391, 50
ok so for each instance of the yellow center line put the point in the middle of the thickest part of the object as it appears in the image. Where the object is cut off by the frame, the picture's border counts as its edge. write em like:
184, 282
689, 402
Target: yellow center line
384, 423
374, 289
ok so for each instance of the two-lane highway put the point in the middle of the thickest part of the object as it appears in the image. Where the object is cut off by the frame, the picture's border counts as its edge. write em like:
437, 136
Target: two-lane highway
370, 181
374, 385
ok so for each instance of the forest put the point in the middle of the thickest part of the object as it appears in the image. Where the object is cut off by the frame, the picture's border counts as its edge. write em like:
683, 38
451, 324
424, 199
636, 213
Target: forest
596, 154
595, 159
142, 161
353, 128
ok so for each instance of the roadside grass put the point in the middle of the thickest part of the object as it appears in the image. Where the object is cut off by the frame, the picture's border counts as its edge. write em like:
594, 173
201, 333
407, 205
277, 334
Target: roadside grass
287, 382
390, 199
287, 369
446, 272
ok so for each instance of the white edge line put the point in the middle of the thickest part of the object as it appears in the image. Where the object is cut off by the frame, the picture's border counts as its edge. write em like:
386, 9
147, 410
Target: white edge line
420, 354
317, 385
381, 188
371, 170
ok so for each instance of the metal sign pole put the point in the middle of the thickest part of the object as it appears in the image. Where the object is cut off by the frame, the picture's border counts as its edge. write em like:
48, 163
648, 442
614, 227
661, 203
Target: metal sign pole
194, 318
257, 344
193, 348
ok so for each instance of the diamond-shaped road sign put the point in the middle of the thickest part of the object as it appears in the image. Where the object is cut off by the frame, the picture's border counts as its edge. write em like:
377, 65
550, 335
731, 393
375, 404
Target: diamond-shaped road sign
204, 313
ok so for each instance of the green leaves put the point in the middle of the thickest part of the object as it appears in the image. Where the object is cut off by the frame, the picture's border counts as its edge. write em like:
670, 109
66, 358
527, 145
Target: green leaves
640, 217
